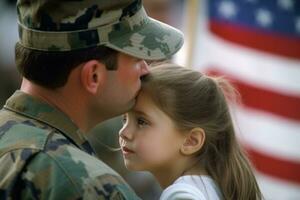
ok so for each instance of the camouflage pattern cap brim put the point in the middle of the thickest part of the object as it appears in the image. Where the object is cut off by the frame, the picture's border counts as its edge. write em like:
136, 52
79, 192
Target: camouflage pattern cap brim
135, 34
153, 41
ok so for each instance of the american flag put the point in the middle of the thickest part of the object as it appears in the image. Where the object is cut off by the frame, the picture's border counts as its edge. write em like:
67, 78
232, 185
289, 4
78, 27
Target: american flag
256, 44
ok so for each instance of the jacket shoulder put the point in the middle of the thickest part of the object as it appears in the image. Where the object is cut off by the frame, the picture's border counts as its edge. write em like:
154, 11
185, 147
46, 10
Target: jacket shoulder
74, 174
15, 135
19, 143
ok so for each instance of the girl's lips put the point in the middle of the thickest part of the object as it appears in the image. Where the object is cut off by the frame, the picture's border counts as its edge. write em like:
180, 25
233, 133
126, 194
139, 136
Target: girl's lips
126, 150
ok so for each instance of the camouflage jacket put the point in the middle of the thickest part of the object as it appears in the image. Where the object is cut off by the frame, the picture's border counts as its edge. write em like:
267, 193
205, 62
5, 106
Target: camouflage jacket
43, 155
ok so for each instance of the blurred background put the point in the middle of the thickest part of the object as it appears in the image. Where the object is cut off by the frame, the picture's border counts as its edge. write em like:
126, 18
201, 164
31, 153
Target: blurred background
255, 44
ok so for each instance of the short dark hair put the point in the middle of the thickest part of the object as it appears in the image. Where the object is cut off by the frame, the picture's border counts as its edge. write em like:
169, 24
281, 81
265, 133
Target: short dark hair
52, 69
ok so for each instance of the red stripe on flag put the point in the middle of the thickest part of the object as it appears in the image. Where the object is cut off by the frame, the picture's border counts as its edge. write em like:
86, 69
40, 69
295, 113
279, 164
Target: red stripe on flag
274, 43
277, 167
263, 99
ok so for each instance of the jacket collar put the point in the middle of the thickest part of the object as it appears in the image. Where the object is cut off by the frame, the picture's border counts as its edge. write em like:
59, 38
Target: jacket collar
34, 108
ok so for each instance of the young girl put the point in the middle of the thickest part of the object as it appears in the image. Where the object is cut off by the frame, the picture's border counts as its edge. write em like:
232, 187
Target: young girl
181, 131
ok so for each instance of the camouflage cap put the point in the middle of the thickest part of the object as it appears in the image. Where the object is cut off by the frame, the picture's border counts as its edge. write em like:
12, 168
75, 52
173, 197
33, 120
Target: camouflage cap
123, 25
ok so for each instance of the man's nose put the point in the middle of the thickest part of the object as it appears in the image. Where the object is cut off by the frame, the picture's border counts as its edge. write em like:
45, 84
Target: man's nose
144, 68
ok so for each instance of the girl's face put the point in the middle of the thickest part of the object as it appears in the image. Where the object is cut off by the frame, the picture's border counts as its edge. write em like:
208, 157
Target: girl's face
149, 139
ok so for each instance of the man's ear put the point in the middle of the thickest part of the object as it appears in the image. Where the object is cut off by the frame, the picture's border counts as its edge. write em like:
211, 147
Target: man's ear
193, 141
92, 75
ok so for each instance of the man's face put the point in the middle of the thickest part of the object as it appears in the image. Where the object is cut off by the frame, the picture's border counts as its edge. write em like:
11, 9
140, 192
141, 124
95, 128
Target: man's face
122, 85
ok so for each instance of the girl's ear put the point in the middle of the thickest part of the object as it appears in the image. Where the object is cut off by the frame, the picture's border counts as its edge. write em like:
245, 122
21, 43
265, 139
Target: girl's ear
193, 141
92, 75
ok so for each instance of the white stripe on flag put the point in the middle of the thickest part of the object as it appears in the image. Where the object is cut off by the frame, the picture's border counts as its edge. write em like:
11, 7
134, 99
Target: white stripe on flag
268, 133
283, 189
275, 73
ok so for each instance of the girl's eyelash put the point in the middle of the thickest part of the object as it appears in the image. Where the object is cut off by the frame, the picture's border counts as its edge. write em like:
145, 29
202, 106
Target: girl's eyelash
141, 121
124, 119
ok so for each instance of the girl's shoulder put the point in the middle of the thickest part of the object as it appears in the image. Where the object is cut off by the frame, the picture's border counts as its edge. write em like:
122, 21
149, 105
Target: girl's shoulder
192, 188
182, 191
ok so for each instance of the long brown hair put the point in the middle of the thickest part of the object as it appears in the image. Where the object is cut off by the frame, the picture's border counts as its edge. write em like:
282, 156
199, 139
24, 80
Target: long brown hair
191, 100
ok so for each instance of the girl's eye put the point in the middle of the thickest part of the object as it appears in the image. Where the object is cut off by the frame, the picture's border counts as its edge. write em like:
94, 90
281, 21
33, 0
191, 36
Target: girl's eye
142, 122
124, 119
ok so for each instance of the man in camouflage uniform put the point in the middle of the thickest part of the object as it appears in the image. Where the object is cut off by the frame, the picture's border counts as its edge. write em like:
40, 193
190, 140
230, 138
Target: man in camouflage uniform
82, 62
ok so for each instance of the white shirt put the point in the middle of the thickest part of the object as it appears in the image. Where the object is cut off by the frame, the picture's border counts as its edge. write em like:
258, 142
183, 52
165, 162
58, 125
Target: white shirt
192, 188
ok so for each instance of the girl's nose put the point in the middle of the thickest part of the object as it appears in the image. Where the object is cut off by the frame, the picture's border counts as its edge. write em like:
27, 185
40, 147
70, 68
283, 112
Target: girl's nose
125, 133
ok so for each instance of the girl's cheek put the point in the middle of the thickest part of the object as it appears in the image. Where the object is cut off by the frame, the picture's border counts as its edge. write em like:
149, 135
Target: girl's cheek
145, 147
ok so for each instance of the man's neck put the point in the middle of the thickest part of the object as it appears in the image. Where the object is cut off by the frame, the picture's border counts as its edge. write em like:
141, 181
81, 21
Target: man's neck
71, 106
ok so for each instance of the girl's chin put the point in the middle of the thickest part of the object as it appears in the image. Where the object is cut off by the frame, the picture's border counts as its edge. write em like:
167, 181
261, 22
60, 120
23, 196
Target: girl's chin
131, 167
